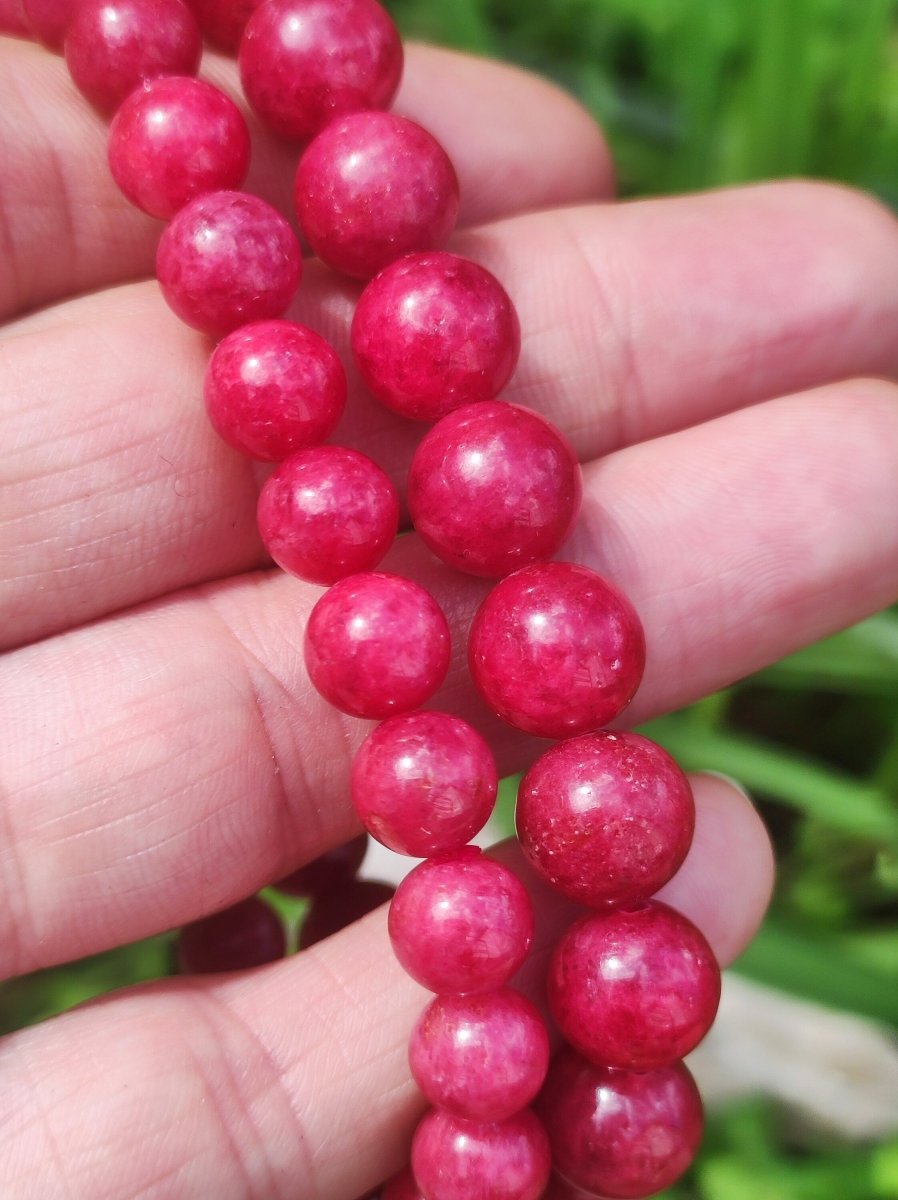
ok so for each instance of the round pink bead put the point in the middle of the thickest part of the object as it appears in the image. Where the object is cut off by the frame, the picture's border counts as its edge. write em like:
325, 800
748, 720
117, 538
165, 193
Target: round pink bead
377, 644
461, 922
373, 187
48, 20
274, 387
223, 21
174, 139
555, 650
228, 258
423, 783
454, 1159
634, 988
623, 1134
111, 46
482, 1057
606, 818
493, 487
432, 332
326, 513
402, 1187
305, 62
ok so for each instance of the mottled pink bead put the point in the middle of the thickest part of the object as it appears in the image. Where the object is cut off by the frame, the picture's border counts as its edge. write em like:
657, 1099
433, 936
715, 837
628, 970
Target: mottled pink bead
228, 258
376, 645
424, 782
305, 62
623, 1134
176, 138
274, 387
333, 869
326, 513
634, 987
402, 1187
223, 21
493, 487
111, 46
605, 818
461, 922
48, 20
482, 1057
373, 187
556, 650
432, 332
333, 909
454, 1159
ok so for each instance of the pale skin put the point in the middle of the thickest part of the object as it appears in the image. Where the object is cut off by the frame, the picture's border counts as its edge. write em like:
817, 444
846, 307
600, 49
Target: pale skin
723, 365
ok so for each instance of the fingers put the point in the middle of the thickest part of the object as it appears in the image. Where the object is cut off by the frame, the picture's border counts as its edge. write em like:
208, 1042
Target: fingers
639, 319
187, 732
534, 146
292, 1081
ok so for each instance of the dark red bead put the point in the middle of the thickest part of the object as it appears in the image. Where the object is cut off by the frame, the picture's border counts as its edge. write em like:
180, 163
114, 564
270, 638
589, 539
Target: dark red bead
274, 387
328, 512
401, 1187
304, 63
634, 988
111, 46
556, 650
424, 782
48, 20
376, 645
433, 332
605, 818
481, 1057
330, 870
228, 258
454, 1159
176, 138
493, 487
246, 935
223, 21
461, 923
342, 905
621, 1134
373, 187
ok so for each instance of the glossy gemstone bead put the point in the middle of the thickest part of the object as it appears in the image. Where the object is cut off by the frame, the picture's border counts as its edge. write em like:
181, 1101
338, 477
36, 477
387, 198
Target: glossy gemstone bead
401, 1187
373, 187
305, 62
424, 782
246, 935
228, 258
433, 332
334, 908
605, 818
622, 1134
223, 21
454, 1159
176, 138
556, 650
48, 20
493, 487
335, 868
376, 645
111, 46
634, 987
328, 512
481, 1057
274, 387
461, 923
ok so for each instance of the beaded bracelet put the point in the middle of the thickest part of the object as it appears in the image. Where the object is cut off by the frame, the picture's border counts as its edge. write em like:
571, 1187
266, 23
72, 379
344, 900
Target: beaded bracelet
493, 490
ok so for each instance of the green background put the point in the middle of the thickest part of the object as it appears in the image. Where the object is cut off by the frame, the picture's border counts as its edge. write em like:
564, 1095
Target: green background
695, 93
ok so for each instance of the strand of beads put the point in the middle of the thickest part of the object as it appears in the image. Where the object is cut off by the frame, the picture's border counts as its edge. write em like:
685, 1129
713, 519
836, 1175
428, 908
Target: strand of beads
493, 491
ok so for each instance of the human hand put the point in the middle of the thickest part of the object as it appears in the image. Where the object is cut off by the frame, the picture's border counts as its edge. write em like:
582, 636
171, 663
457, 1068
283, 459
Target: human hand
164, 753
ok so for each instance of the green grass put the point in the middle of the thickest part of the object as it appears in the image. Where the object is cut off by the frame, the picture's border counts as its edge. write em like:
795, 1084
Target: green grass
693, 94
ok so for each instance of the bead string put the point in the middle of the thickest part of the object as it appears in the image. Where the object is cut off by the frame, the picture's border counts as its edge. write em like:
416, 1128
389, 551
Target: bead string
493, 490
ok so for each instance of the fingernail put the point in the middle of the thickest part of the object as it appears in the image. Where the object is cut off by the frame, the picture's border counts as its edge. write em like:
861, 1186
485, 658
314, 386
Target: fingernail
733, 783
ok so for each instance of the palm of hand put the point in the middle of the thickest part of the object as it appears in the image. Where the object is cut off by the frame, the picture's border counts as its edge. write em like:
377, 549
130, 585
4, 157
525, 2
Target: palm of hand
165, 754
